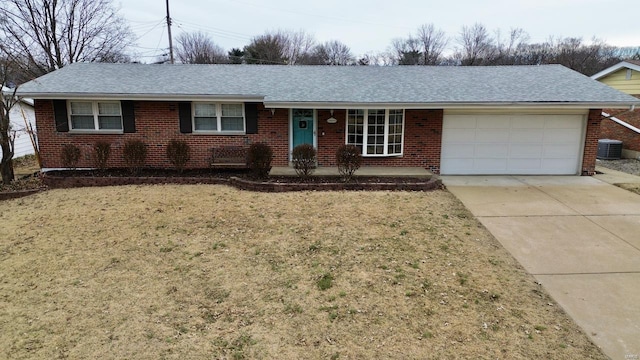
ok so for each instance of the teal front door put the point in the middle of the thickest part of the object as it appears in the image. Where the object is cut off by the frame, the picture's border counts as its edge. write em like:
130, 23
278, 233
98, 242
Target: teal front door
303, 128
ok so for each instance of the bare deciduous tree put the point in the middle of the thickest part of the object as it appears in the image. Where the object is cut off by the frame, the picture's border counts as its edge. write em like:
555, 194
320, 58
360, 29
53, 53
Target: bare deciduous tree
476, 45
432, 42
507, 49
7, 136
280, 47
333, 53
54, 33
198, 48
298, 46
266, 49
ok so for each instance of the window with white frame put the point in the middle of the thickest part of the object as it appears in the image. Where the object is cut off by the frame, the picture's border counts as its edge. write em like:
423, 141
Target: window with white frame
95, 115
218, 117
376, 132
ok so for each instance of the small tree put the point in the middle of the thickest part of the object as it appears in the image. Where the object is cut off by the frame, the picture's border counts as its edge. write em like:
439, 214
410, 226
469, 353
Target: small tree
179, 153
304, 160
259, 159
70, 156
349, 160
135, 155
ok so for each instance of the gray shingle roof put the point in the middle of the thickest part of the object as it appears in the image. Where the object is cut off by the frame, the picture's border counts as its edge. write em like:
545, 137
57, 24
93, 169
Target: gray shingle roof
275, 85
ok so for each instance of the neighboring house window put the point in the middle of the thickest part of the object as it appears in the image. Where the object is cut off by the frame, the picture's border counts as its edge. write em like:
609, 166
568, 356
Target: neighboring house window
376, 132
95, 115
218, 117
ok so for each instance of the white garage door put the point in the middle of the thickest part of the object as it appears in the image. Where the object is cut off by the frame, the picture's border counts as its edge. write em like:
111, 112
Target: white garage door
511, 144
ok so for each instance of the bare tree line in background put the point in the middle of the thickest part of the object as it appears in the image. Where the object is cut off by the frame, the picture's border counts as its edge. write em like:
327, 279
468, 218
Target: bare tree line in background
474, 46
44, 35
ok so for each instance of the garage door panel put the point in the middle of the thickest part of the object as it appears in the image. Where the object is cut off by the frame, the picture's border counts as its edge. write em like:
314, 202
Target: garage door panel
525, 164
558, 151
561, 136
492, 135
459, 165
512, 144
564, 123
557, 164
491, 150
527, 122
458, 151
460, 122
493, 122
527, 135
522, 151
491, 165
459, 135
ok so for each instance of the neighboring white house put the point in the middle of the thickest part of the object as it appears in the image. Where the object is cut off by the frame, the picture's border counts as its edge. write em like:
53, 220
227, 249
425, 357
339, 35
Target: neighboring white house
22, 114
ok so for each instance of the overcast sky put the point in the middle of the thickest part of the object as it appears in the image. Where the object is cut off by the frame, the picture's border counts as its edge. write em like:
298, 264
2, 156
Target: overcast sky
369, 26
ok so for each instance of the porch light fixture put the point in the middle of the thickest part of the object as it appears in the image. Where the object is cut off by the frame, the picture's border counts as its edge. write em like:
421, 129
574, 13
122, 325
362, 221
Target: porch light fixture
273, 111
332, 120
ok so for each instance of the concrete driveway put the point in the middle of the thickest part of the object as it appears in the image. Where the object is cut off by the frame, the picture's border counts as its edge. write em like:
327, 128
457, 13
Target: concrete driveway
579, 237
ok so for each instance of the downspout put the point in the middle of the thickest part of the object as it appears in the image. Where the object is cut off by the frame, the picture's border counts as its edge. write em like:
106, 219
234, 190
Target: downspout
620, 122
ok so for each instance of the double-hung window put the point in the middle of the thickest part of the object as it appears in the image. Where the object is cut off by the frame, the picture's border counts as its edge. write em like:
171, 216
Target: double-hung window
376, 132
217, 117
95, 115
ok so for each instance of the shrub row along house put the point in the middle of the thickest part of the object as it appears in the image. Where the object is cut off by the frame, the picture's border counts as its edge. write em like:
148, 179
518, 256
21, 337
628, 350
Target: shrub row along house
449, 120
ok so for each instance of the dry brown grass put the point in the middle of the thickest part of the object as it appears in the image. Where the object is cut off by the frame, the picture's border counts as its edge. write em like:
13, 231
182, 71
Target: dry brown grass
193, 272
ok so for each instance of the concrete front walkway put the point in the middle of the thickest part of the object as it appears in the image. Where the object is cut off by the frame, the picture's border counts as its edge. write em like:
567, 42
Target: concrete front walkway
579, 237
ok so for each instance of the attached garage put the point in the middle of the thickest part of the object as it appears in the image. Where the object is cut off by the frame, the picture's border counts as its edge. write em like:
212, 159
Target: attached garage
514, 144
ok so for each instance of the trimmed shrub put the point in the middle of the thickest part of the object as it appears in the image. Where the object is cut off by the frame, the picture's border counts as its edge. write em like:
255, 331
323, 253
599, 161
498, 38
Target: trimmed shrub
101, 152
70, 156
259, 159
304, 160
135, 155
349, 160
179, 153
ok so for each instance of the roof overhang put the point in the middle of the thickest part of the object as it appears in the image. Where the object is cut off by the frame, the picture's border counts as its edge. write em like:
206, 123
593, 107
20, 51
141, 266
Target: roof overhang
615, 68
144, 97
449, 105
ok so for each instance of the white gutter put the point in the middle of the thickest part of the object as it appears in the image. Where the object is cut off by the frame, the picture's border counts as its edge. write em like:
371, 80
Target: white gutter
620, 122
143, 97
445, 105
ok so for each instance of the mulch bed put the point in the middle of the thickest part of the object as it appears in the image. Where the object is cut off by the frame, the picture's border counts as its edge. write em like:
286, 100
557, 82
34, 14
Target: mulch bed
238, 178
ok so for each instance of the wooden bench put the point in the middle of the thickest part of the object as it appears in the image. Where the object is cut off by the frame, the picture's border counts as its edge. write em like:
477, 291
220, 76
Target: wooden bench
234, 157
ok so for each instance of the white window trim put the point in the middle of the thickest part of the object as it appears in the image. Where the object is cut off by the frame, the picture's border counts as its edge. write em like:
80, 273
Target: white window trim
96, 124
218, 119
365, 133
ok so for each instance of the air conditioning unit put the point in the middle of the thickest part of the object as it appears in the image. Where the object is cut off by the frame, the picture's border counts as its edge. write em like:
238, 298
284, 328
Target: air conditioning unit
609, 149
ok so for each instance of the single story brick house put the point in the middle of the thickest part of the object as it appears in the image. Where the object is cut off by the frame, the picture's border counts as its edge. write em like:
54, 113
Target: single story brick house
620, 124
449, 120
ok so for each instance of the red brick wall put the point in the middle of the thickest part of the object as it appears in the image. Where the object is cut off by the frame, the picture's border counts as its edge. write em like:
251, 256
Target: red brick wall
422, 140
156, 124
591, 142
611, 130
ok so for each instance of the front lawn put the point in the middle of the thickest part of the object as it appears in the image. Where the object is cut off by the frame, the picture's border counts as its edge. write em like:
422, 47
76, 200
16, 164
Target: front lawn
207, 271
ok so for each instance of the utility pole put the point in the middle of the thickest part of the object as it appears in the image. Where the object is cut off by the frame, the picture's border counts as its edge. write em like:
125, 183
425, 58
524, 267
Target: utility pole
170, 39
